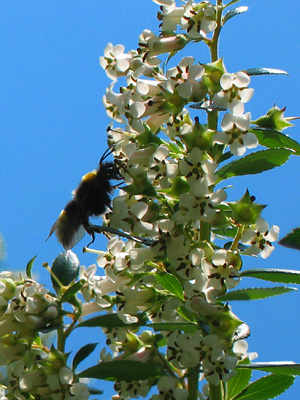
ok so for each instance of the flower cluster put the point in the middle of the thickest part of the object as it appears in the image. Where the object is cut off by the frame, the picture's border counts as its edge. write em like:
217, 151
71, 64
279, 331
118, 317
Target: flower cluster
170, 161
27, 311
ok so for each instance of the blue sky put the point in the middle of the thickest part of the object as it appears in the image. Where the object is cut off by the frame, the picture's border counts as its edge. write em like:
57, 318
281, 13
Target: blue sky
53, 129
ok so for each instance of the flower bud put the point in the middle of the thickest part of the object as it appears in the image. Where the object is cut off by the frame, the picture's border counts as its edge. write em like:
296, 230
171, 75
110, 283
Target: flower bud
274, 119
246, 211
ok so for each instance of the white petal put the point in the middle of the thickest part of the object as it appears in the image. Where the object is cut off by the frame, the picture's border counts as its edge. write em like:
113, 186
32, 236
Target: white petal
246, 94
226, 81
237, 148
185, 90
250, 140
241, 80
228, 122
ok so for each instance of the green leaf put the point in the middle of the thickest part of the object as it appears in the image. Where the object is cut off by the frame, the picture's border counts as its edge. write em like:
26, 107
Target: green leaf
273, 275
232, 2
174, 326
29, 266
278, 367
264, 71
83, 353
272, 139
266, 388
292, 239
238, 383
72, 290
122, 370
232, 13
109, 321
254, 293
170, 283
255, 163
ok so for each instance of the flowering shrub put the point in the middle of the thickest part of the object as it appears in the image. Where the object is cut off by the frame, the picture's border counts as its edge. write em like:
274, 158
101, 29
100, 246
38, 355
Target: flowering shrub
160, 291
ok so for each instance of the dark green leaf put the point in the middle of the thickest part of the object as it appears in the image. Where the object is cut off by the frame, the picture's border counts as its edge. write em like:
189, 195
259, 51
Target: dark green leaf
264, 71
122, 370
72, 290
254, 293
170, 283
83, 353
110, 321
272, 139
29, 266
255, 163
291, 240
266, 388
238, 383
277, 367
174, 326
273, 275
232, 13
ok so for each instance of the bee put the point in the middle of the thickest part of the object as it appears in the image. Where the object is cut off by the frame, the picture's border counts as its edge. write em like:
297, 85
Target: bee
91, 198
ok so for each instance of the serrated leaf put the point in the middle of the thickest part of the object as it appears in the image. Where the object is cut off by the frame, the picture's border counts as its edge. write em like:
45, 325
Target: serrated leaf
122, 370
255, 163
109, 321
264, 71
278, 367
83, 353
272, 139
292, 239
29, 266
238, 383
232, 13
174, 326
273, 275
266, 388
170, 283
255, 293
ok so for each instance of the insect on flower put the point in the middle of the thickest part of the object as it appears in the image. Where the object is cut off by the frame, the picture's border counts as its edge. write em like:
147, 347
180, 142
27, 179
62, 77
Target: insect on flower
91, 198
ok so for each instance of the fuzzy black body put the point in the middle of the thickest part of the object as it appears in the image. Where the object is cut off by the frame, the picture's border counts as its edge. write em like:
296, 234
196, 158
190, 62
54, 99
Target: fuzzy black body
91, 198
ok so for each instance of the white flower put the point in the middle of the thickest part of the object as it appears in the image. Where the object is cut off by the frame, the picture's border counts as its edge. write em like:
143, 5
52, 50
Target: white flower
168, 389
198, 19
235, 133
185, 78
197, 165
260, 238
220, 270
115, 62
199, 203
234, 93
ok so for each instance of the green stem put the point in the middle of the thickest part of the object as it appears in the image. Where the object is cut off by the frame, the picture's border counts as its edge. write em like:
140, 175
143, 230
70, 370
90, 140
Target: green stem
214, 44
193, 380
216, 392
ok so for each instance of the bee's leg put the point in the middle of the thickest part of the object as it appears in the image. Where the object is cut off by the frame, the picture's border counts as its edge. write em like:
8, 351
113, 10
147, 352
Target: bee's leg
89, 229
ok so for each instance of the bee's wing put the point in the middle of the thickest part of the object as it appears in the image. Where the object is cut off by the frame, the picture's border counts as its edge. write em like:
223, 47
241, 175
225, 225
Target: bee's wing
68, 229
70, 242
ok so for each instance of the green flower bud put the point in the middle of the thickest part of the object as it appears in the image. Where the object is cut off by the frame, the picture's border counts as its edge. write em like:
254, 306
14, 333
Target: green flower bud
246, 211
224, 323
274, 119
212, 76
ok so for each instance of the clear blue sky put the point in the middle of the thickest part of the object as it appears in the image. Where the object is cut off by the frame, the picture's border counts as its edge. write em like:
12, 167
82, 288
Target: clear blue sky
53, 129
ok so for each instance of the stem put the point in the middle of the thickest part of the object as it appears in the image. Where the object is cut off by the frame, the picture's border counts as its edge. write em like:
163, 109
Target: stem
214, 44
216, 392
193, 383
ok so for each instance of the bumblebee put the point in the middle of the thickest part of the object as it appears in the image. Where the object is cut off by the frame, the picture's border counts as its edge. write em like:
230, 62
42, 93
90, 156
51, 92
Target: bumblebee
91, 198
